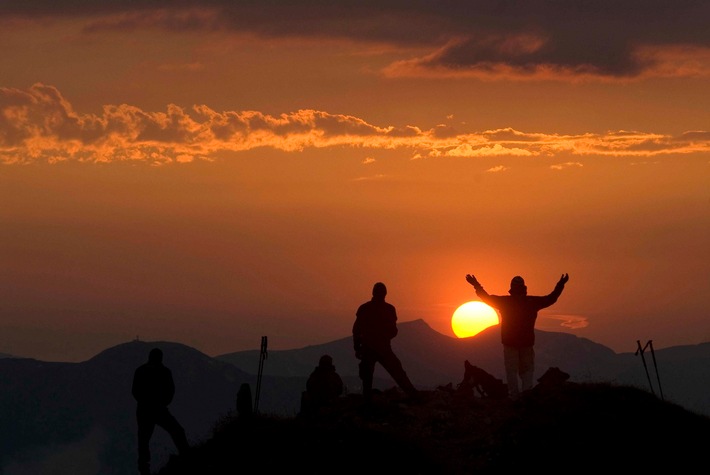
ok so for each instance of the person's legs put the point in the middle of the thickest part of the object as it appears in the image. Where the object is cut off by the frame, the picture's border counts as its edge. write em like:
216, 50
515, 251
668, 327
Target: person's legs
394, 367
510, 359
307, 408
366, 372
526, 366
168, 422
146, 425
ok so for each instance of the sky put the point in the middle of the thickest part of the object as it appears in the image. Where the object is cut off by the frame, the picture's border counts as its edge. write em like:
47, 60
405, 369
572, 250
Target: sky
211, 172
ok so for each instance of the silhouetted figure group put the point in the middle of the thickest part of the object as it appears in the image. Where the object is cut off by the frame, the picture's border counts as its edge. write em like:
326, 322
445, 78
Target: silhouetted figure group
518, 313
376, 325
154, 389
374, 328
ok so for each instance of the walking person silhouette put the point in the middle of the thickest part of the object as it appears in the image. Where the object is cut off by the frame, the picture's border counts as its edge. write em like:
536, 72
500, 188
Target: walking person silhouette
153, 389
374, 328
518, 313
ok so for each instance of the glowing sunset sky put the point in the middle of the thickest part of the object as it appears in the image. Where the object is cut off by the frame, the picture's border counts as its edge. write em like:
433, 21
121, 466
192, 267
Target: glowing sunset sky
210, 172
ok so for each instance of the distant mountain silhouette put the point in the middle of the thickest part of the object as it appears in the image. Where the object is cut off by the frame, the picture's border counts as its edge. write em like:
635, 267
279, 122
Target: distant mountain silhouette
432, 359
80, 417
567, 428
47, 408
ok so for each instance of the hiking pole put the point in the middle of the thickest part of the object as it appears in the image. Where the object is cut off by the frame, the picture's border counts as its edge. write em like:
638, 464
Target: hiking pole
640, 350
262, 357
655, 366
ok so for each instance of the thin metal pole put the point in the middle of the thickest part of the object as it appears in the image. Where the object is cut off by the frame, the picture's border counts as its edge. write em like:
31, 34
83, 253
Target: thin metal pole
655, 366
262, 357
640, 351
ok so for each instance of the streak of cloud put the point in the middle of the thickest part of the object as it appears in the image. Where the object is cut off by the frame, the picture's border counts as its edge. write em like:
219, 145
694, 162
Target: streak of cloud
572, 322
497, 169
379, 176
562, 166
522, 39
39, 124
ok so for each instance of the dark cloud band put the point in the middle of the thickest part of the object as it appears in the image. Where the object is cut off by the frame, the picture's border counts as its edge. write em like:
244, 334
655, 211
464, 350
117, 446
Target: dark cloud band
614, 39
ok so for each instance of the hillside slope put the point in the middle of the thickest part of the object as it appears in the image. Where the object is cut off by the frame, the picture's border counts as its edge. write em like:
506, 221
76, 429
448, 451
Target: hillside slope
432, 359
572, 427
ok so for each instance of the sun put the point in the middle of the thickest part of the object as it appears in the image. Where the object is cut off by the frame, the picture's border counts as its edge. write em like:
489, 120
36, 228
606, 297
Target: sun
472, 318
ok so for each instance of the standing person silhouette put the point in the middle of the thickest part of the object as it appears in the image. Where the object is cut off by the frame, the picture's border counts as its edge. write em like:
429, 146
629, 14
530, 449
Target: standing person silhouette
153, 389
518, 312
375, 326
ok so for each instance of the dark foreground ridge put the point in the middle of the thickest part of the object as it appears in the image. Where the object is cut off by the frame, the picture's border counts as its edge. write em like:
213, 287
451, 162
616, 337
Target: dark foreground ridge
570, 427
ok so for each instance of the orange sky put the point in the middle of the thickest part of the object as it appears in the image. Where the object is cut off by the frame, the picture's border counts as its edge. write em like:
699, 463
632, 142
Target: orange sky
212, 174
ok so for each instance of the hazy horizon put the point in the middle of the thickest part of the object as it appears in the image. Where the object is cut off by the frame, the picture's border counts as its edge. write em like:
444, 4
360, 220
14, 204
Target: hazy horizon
256, 347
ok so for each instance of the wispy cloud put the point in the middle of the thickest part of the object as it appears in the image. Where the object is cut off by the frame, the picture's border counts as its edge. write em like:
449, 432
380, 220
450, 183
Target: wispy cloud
497, 169
379, 176
39, 124
567, 321
521, 39
562, 166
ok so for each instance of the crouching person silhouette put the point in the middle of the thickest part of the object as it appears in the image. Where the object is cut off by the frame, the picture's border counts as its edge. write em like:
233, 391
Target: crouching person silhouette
374, 328
323, 388
153, 389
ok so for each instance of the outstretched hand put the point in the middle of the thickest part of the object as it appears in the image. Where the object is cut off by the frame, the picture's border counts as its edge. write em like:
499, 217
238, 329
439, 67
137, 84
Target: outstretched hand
564, 279
471, 279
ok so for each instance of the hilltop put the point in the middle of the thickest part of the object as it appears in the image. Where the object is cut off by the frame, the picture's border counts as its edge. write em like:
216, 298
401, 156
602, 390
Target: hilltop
79, 418
432, 359
572, 427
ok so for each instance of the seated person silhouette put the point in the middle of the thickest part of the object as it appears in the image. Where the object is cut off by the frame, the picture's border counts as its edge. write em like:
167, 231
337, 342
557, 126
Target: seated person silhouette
323, 387
153, 389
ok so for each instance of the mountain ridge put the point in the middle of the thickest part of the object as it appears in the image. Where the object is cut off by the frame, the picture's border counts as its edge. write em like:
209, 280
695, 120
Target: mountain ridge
432, 359
51, 409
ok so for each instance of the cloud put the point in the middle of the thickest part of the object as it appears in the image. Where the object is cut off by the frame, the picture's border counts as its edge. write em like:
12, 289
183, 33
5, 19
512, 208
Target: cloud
368, 161
474, 150
695, 135
519, 39
568, 321
499, 168
511, 135
562, 166
379, 176
39, 124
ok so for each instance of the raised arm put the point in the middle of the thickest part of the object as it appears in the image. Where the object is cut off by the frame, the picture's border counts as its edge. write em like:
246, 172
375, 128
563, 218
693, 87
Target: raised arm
471, 279
555, 294
480, 291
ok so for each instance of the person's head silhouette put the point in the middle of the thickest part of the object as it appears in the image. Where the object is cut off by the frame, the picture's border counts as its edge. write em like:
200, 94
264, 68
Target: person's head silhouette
325, 361
379, 290
155, 356
517, 286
